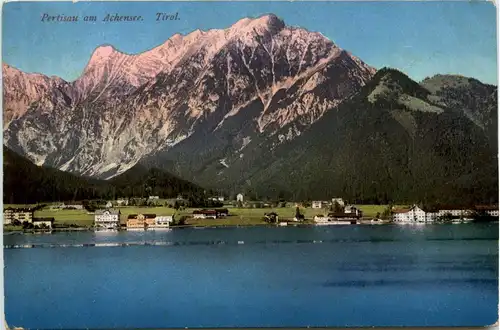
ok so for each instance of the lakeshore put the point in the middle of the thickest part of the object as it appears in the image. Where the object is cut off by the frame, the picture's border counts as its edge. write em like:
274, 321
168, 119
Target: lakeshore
68, 220
237, 216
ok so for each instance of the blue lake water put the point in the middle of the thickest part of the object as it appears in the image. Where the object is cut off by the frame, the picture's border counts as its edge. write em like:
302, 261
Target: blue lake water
434, 275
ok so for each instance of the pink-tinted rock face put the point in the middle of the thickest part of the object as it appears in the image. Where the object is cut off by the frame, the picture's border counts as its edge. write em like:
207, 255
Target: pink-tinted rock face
127, 106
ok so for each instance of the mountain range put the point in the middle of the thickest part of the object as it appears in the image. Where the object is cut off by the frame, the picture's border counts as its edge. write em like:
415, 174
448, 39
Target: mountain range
265, 109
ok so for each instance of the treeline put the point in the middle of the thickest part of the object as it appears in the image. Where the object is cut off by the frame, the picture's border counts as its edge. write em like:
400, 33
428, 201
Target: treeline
26, 183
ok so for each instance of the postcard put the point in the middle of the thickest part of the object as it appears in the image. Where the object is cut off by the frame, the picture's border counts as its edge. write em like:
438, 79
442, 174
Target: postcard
245, 164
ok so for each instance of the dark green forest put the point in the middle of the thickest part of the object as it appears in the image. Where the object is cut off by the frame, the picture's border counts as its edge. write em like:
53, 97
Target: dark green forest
27, 183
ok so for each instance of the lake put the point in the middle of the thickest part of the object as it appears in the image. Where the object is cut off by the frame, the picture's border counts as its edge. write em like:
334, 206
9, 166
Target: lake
387, 275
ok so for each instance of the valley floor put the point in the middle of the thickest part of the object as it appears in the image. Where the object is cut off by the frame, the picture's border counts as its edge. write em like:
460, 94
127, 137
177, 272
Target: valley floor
237, 216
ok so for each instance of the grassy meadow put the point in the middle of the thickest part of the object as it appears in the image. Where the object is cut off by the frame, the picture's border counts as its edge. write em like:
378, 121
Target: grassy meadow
238, 216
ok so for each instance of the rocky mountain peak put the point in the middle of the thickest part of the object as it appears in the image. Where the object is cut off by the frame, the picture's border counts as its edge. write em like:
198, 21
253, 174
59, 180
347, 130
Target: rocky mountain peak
102, 53
276, 79
268, 22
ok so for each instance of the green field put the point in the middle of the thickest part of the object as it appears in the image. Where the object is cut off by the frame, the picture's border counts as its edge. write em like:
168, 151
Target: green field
7, 228
238, 216
78, 217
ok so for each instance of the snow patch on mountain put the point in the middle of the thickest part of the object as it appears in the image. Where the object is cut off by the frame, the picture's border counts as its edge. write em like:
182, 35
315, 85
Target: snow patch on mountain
223, 162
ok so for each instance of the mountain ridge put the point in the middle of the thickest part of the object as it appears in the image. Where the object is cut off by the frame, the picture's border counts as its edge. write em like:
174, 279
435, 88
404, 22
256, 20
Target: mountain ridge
234, 109
223, 70
426, 154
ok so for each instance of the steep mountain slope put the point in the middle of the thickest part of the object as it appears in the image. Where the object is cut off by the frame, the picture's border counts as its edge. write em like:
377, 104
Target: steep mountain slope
126, 107
476, 100
25, 182
391, 141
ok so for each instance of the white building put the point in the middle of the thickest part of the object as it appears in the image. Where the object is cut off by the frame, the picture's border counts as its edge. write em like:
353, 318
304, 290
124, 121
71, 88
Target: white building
239, 197
414, 215
316, 204
151, 198
459, 213
493, 213
205, 214
321, 218
319, 204
20, 214
492, 210
164, 221
109, 204
107, 219
43, 222
351, 209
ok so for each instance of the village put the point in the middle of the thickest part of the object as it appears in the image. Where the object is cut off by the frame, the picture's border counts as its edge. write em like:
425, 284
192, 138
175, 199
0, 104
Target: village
120, 215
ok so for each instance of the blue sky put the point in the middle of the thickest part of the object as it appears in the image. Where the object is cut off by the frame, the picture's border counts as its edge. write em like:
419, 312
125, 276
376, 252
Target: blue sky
419, 38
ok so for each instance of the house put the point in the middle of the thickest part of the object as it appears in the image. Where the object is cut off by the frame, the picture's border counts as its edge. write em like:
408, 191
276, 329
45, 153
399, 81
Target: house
271, 217
109, 204
239, 197
455, 212
491, 210
415, 214
43, 223
342, 217
153, 198
339, 201
163, 221
351, 209
140, 221
205, 214
216, 199
316, 204
222, 212
20, 214
320, 204
107, 219
401, 215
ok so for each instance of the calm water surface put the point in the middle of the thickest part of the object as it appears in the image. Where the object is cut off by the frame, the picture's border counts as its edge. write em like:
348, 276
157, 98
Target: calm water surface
435, 275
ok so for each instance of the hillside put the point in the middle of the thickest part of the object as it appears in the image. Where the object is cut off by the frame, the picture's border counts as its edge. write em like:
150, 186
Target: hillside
25, 182
390, 142
141, 181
